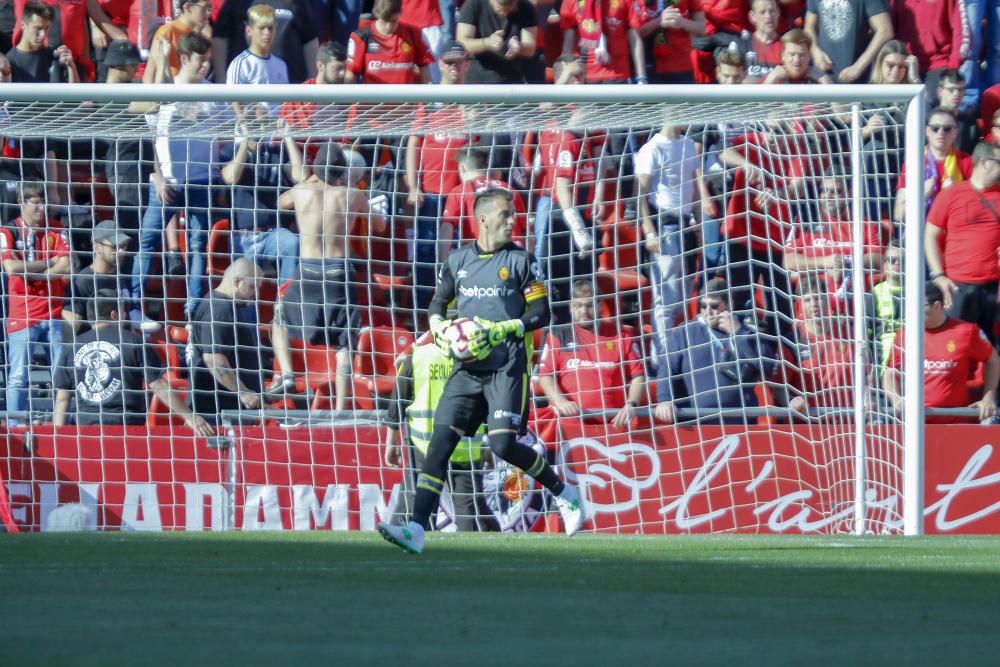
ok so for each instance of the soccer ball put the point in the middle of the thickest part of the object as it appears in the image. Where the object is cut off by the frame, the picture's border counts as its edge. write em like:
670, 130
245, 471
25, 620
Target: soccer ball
458, 336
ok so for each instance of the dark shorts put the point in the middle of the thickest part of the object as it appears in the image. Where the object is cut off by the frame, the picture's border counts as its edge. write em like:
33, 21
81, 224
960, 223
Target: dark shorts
976, 303
498, 398
318, 304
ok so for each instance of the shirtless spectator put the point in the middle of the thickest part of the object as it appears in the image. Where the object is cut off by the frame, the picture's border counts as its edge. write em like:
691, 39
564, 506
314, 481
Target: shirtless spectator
590, 364
666, 30
319, 305
847, 35
796, 66
194, 17
458, 221
944, 164
962, 241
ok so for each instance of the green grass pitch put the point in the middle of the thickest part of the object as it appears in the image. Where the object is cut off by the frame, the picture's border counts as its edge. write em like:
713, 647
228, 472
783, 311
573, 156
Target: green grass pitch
352, 599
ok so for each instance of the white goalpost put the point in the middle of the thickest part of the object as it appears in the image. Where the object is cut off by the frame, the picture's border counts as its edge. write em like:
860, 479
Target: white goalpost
732, 236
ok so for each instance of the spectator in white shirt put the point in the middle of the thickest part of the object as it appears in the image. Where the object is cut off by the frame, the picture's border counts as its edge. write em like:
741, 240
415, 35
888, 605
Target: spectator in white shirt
257, 65
668, 173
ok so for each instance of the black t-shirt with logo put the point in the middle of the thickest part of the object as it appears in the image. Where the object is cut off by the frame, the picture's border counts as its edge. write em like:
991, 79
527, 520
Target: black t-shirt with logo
108, 372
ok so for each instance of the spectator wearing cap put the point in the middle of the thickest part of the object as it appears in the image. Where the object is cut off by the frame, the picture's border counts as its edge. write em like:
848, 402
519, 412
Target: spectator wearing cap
951, 348
109, 20
500, 37
962, 241
120, 62
165, 45
432, 169
35, 256
107, 272
109, 372
294, 34
840, 31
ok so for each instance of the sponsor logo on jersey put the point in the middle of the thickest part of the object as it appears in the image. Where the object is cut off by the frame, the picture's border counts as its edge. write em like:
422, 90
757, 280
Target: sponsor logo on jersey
939, 365
515, 419
590, 25
485, 292
376, 65
462, 273
504, 273
575, 363
374, 47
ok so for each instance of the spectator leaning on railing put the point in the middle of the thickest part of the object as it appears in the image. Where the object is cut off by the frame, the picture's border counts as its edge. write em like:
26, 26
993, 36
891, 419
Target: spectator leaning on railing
950, 348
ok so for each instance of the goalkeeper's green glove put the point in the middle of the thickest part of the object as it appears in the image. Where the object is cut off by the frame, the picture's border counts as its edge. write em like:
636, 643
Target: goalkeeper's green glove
438, 326
497, 332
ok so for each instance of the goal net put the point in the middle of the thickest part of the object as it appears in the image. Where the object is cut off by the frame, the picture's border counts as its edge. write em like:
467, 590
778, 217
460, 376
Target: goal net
211, 292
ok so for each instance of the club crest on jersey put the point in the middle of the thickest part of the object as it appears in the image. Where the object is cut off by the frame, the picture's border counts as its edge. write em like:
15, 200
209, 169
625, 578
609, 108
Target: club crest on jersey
405, 47
950, 346
504, 273
609, 345
590, 25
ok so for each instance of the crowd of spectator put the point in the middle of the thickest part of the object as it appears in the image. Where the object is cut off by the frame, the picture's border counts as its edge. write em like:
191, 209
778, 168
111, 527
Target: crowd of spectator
749, 221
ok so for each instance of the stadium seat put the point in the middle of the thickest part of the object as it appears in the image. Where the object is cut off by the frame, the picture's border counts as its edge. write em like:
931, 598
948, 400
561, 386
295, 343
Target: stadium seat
219, 248
374, 363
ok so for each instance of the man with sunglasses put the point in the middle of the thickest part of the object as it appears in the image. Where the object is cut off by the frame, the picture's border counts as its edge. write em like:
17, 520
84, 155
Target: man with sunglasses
962, 241
713, 362
944, 164
107, 272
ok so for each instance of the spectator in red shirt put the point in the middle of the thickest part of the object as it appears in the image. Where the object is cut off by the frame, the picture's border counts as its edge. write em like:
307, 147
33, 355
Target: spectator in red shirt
950, 348
606, 35
993, 133
828, 247
35, 257
588, 364
666, 30
763, 48
331, 67
473, 170
109, 21
388, 51
944, 165
725, 20
825, 351
933, 31
432, 170
962, 241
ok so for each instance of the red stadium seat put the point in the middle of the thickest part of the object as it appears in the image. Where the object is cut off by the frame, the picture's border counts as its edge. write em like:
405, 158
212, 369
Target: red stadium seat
375, 363
219, 248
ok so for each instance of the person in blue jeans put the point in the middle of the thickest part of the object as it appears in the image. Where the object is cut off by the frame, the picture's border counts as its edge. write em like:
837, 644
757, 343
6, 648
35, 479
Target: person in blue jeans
256, 172
976, 78
186, 166
36, 257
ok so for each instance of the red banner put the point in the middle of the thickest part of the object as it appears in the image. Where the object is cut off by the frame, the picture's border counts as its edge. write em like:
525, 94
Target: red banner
671, 480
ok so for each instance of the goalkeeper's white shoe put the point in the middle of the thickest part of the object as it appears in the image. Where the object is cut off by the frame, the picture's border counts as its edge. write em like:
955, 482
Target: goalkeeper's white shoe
409, 537
581, 238
571, 509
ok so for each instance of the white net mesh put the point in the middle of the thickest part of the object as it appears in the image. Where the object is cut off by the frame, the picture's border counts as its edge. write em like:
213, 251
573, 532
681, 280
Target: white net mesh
702, 261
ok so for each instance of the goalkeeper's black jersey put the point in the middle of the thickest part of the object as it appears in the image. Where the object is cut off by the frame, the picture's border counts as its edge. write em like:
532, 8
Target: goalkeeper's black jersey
497, 287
